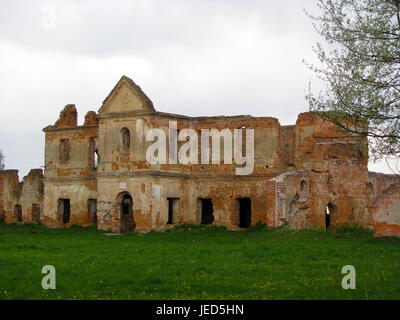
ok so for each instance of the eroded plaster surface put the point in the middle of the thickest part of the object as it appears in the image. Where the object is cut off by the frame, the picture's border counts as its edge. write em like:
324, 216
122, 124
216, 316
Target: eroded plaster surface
306, 175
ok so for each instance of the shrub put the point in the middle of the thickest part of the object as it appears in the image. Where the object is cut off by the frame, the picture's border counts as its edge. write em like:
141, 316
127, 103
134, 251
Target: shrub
259, 226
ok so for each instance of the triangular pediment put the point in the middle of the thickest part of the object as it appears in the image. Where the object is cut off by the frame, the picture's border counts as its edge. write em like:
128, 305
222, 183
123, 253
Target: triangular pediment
126, 97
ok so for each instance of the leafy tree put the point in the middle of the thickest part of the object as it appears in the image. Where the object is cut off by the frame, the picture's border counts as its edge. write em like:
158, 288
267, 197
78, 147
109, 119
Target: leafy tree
360, 66
1, 160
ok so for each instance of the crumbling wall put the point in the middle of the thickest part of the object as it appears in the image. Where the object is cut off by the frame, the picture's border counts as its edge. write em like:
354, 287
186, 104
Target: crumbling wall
338, 163
78, 192
299, 172
69, 152
25, 197
150, 195
70, 168
68, 117
289, 199
150, 186
91, 119
114, 159
9, 194
31, 198
383, 198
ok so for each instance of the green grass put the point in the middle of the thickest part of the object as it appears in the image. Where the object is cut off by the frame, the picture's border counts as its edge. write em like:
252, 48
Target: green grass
197, 262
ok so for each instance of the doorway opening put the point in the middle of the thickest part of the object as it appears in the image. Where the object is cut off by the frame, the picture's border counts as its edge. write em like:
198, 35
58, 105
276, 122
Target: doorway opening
127, 222
36, 213
64, 210
18, 212
92, 209
206, 211
173, 205
244, 205
330, 213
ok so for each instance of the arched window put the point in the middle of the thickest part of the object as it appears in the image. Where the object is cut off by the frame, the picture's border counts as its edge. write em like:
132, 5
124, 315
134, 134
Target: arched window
125, 139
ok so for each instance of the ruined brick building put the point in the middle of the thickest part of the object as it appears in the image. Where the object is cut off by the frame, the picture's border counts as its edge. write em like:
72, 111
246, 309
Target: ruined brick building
305, 175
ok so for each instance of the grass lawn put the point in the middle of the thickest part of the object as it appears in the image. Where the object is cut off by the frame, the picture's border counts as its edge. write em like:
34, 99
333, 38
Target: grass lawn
200, 263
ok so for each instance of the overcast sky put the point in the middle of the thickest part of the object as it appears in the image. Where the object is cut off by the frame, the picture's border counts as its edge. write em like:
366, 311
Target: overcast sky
204, 57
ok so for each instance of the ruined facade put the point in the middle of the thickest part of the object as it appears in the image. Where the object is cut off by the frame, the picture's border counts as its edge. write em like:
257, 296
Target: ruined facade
305, 175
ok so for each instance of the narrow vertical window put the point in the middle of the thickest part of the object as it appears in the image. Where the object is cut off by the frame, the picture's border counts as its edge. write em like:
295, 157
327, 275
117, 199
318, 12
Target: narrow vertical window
94, 153
125, 140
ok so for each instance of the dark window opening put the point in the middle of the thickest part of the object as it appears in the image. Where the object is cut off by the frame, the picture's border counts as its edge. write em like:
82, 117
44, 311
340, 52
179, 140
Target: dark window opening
244, 212
36, 213
64, 210
18, 212
65, 150
173, 204
92, 209
207, 211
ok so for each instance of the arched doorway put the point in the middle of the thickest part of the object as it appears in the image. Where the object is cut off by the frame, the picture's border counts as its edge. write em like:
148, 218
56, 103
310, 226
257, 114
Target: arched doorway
330, 215
127, 222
